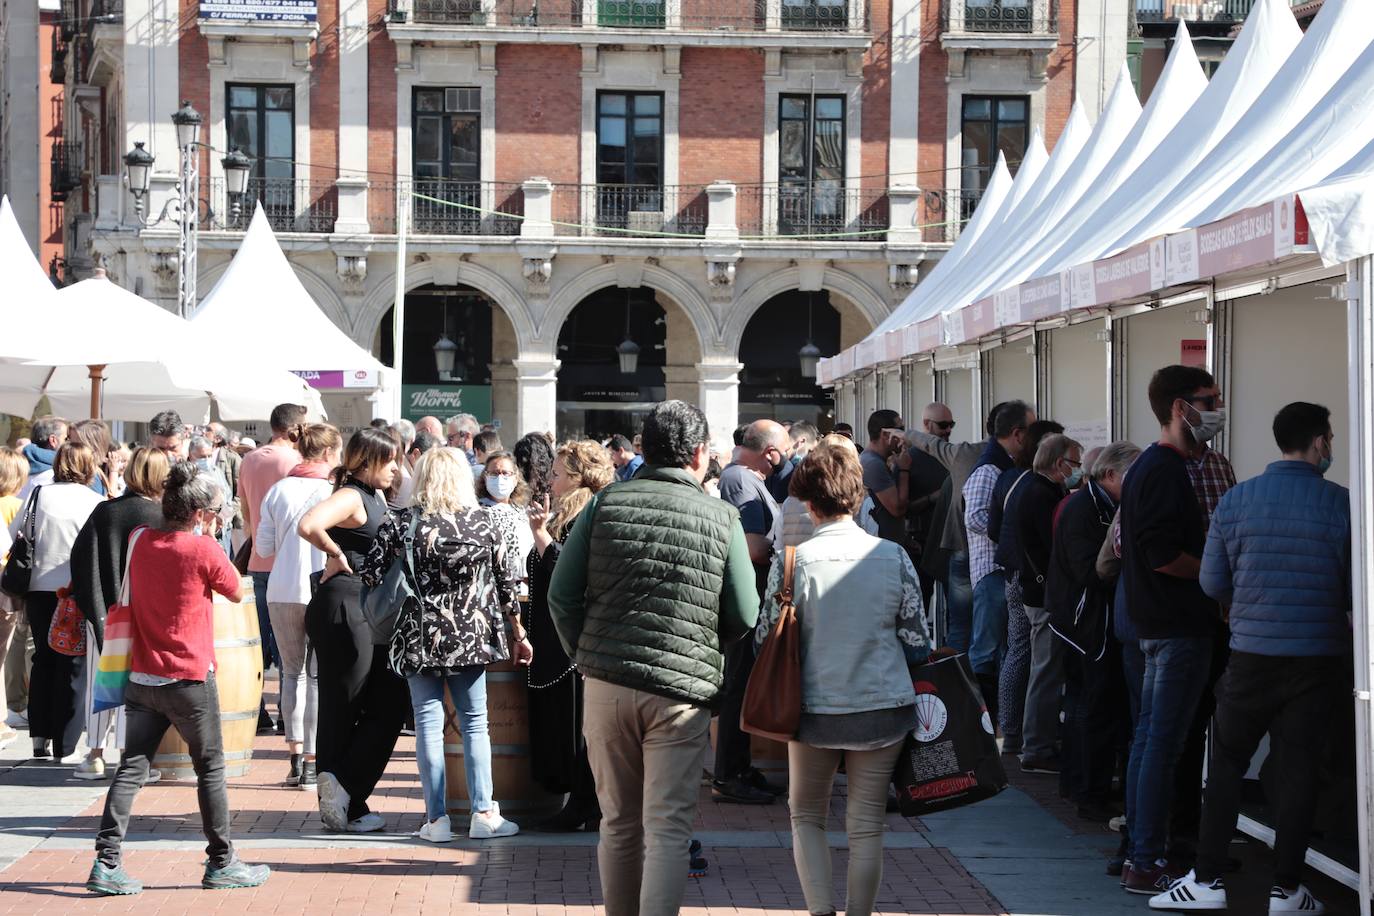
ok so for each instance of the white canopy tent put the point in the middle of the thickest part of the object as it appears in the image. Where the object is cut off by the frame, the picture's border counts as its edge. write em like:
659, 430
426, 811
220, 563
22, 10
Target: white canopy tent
146, 359
25, 311
259, 307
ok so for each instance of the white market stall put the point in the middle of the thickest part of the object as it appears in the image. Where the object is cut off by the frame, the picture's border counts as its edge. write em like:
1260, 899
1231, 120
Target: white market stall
260, 311
1233, 227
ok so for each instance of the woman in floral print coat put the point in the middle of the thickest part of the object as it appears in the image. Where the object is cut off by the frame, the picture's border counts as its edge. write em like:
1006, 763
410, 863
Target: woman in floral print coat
456, 626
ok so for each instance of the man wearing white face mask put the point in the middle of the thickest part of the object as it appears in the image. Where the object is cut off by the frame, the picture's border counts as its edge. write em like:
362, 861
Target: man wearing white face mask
1163, 531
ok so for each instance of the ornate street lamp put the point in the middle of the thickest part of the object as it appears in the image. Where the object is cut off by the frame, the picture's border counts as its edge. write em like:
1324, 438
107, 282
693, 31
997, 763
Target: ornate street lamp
628, 350
187, 121
810, 354
236, 167
138, 167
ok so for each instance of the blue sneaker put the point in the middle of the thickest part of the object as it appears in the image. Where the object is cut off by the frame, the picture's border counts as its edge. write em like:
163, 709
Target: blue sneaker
234, 875
112, 882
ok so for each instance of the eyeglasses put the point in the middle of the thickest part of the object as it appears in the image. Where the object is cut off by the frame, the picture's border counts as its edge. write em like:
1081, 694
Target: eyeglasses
500, 473
943, 424
215, 510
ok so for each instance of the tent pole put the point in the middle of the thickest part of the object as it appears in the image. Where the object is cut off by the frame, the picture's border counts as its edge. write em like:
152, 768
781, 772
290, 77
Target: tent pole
97, 382
398, 310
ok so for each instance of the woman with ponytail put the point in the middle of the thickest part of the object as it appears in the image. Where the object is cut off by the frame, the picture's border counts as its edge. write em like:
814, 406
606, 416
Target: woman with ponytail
295, 572
362, 704
558, 753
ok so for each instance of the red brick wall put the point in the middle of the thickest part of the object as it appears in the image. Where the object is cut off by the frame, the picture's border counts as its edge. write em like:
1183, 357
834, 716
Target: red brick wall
877, 96
720, 120
1059, 92
381, 116
538, 112
193, 57
324, 100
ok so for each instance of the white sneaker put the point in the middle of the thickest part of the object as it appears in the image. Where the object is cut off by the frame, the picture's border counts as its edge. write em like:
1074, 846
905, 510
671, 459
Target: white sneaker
439, 831
1300, 901
90, 768
487, 825
72, 759
7, 737
370, 822
1187, 894
17, 720
153, 776
333, 802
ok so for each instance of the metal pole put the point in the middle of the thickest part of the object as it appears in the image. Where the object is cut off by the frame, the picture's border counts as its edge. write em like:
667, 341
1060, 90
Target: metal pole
398, 310
1360, 333
187, 242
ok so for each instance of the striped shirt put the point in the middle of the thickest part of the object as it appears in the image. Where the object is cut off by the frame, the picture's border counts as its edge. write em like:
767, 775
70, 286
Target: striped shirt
977, 500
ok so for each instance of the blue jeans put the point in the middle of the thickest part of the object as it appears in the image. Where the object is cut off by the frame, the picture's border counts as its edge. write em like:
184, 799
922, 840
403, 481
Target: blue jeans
469, 691
958, 603
270, 655
989, 623
1175, 674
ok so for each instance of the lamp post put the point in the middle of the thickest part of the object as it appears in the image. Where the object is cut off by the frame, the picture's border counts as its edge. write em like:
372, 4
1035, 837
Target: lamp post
627, 350
809, 354
138, 167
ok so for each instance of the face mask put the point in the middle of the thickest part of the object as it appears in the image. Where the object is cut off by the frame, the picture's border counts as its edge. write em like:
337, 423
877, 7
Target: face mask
500, 487
204, 464
1210, 423
1324, 464
199, 529
1073, 480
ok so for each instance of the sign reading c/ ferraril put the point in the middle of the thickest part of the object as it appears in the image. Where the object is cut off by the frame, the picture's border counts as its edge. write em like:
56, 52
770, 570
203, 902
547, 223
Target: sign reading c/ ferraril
260, 10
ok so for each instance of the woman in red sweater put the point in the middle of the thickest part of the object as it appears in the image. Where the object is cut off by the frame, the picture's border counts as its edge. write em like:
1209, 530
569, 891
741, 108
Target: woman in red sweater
172, 572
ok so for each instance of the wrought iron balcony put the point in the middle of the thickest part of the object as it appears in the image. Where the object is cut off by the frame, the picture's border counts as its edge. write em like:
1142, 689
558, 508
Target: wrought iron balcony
630, 211
290, 205
66, 166
819, 210
440, 206
57, 67
1008, 17
685, 15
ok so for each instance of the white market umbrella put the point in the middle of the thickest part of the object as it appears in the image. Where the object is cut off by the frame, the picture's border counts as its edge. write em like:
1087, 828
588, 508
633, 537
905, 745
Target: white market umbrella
144, 359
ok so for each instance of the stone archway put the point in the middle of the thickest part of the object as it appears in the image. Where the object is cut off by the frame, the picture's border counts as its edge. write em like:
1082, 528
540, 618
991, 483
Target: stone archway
861, 308
685, 307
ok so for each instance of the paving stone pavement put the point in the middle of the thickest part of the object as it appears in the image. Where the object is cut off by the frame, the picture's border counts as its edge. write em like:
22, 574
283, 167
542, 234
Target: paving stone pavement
1018, 854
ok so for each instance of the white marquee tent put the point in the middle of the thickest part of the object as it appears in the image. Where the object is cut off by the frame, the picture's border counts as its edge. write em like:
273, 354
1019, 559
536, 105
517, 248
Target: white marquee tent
259, 307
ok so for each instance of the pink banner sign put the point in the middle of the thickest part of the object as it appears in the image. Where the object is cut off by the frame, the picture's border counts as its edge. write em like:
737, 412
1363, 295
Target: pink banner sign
979, 319
1125, 275
1243, 240
1041, 298
928, 332
892, 346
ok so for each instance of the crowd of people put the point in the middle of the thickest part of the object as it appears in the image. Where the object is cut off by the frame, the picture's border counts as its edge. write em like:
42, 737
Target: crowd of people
1102, 597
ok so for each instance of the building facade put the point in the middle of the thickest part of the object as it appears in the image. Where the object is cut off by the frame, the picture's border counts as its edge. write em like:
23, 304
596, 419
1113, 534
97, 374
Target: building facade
604, 202
36, 167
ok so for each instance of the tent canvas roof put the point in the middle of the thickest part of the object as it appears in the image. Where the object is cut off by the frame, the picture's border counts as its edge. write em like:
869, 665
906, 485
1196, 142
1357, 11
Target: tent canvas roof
260, 305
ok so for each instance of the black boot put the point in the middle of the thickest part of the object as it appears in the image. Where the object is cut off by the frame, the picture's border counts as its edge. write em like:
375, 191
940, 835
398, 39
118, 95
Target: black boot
575, 815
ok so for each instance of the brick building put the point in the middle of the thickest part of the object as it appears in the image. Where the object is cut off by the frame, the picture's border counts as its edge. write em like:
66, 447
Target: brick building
716, 182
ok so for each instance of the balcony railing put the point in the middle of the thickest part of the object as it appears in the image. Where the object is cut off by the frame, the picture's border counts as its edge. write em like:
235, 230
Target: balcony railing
446, 207
1025, 17
70, 11
627, 211
823, 210
697, 15
1194, 10
290, 205
57, 68
945, 211
66, 165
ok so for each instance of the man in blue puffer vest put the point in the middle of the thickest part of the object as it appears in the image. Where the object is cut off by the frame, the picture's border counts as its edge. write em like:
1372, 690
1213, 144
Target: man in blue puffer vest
1278, 553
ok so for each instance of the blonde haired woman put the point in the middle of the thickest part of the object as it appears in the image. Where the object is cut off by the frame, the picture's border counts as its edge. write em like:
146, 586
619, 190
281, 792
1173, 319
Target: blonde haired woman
558, 753
455, 626
14, 472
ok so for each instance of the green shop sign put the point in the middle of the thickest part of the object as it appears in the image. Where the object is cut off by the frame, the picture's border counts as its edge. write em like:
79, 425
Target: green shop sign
444, 401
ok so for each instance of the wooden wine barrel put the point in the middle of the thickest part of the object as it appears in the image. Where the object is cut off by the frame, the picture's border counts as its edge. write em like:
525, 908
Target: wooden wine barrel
238, 678
508, 726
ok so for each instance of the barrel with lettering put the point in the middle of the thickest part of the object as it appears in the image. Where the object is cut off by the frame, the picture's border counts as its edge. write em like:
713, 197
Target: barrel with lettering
238, 679
508, 727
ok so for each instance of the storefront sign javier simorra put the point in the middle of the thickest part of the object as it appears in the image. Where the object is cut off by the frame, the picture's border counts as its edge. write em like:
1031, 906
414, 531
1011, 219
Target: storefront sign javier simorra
444, 401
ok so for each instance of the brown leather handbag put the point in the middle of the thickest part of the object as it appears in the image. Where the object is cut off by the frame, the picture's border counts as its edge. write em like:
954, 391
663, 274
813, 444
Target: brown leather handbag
773, 697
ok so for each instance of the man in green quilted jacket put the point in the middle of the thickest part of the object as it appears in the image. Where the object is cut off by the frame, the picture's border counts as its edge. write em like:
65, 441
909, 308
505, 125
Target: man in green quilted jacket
652, 585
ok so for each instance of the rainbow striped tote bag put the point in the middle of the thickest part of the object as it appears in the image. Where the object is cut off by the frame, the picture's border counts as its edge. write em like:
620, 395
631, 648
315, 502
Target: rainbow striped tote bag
112, 671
